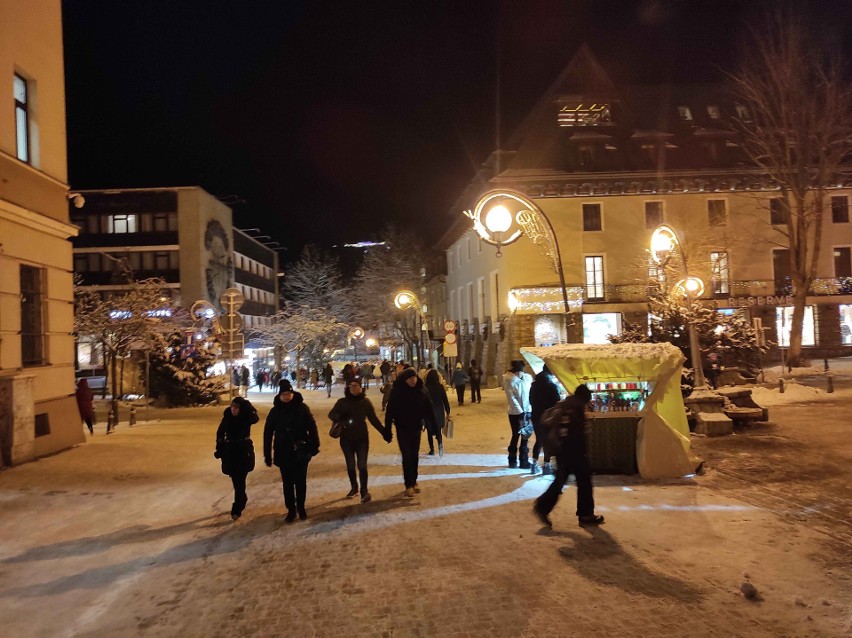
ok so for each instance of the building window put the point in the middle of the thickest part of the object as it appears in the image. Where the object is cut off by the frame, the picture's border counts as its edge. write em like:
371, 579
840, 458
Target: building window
468, 248
743, 113
719, 270
653, 214
598, 326
594, 278
656, 274
840, 209
161, 222
161, 260
779, 212
782, 273
122, 223
32, 321
842, 261
592, 217
684, 113
22, 117
717, 212
81, 262
784, 320
714, 112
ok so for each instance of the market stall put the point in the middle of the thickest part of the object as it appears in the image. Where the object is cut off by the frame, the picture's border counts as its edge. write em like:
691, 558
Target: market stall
636, 399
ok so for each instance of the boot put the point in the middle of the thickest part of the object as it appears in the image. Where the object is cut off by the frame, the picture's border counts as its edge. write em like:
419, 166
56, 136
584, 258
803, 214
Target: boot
534, 468
513, 461
524, 463
291, 516
547, 470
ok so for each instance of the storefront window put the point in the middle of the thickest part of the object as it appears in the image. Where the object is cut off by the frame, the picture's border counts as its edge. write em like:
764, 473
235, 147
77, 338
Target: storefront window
846, 324
548, 330
596, 327
783, 320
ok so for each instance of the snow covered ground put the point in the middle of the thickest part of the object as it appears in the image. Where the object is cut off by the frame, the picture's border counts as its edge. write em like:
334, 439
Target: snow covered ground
128, 535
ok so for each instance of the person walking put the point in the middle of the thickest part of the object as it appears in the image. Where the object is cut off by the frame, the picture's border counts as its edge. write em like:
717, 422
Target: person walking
408, 407
244, 381
387, 387
474, 372
353, 411
385, 369
458, 381
236, 450
85, 404
290, 440
517, 399
328, 377
440, 409
568, 431
367, 374
543, 395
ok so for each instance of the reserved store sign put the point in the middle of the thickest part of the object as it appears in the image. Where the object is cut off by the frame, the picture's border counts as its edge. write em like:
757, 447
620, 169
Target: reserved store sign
746, 302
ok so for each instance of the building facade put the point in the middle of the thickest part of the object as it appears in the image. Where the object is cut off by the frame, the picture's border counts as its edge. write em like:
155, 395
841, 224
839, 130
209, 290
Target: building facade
38, 412
182, 235
608, 164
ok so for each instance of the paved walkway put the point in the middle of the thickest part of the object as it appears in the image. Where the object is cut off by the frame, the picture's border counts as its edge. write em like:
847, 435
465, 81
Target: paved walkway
129, 535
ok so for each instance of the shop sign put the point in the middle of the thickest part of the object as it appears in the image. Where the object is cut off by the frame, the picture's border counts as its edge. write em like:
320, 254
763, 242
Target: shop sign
746, 302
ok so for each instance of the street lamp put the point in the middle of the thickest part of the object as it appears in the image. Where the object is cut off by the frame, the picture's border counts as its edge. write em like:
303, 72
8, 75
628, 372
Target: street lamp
664, 241
492, 221
406, 299
355, 334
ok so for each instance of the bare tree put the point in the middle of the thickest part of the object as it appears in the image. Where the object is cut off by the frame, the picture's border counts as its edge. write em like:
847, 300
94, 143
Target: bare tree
315, 281
304, 330
395, 265
796, 127
121, 321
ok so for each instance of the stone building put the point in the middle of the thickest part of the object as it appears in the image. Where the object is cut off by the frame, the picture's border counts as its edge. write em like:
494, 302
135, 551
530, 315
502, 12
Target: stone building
38, 413
607, 164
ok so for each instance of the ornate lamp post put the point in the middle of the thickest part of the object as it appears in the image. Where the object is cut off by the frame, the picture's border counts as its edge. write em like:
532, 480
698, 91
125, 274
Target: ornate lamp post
665, 240
404, 300
493, 218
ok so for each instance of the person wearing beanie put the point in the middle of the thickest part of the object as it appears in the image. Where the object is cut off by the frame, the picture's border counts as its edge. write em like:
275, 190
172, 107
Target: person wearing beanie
290, 440
543, 395
408, 407
568, 430
353, 411
236, 450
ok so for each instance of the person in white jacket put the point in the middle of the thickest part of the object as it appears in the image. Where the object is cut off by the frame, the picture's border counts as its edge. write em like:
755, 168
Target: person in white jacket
517, 389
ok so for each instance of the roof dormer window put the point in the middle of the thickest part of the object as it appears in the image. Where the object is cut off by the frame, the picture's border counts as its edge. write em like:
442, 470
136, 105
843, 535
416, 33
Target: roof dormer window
714, 112
684, 113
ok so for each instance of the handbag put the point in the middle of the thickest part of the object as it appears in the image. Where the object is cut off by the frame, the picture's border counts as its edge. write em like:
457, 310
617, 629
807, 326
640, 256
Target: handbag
336, 429
527, 429
448, 428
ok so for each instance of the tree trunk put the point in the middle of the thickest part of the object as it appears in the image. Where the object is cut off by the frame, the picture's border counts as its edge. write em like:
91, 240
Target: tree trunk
794, 354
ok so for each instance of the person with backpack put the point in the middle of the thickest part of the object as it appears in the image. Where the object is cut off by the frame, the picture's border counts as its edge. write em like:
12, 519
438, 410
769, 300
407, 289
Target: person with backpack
566, 423
543, 395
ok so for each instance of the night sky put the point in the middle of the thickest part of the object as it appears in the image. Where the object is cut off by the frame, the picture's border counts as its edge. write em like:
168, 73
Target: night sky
322, 121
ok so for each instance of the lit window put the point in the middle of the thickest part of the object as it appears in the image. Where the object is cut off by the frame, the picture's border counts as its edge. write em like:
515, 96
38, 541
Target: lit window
840, 209
717, 212
714, 112
22, 117
598, 326
592, 217
719, 270
743, 113
784, 320
684, 113
122, 223
594, 278
653, 214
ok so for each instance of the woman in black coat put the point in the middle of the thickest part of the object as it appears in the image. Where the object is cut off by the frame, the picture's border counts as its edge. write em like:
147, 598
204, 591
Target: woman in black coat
353, 411
235, 448
440, 408
290, 440
409, 407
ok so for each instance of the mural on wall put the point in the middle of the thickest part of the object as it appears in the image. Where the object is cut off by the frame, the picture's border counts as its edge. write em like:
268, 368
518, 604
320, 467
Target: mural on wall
220, 264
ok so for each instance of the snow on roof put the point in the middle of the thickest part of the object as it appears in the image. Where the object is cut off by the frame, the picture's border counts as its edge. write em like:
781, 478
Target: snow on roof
606, 351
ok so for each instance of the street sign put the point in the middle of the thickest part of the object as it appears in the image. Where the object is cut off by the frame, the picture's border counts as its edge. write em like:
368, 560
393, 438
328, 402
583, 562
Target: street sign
232, 322
232, 299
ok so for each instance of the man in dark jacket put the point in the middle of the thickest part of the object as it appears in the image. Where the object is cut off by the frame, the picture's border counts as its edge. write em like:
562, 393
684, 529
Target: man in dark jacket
235, 448
408, 407
290, 440
569, 429
474, 372
543, 395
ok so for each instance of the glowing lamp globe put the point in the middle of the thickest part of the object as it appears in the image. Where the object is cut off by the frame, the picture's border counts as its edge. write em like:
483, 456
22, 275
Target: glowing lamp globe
663, 241
498, 219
